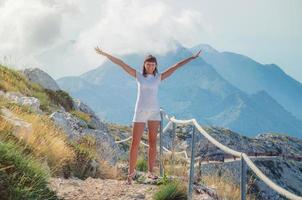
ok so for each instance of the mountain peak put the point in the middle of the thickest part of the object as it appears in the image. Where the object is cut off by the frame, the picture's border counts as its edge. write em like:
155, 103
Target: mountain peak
205, 48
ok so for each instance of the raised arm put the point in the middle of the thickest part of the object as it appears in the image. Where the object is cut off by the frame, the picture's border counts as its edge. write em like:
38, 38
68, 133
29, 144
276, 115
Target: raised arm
171, 69
117, 61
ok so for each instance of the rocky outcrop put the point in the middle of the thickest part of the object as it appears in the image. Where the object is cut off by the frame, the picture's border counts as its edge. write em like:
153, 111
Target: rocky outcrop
19, 124
269, 144
75, 128
37, 75
278, 156
95, 122
285, 173
19, 98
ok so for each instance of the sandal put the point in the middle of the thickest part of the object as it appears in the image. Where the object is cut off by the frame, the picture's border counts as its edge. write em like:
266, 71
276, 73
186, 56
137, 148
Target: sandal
131, 177
151, 175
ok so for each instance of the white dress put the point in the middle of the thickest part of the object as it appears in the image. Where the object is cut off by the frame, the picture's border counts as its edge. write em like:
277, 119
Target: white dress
147, 105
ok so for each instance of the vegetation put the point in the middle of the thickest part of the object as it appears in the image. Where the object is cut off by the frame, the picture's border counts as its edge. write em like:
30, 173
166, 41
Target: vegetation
81, 115
225, 186
173, 190
142, 164
46, 141
14, 81
85, 150
30, 156
21, 177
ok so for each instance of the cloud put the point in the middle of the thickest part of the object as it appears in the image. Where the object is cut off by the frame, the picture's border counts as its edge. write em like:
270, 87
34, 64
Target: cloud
36, 32
140, 27
59, 35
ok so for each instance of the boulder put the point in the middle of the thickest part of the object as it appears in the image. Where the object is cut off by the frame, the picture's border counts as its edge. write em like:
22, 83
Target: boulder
19, 98
95, 121
20, 126
76, 128
37, 75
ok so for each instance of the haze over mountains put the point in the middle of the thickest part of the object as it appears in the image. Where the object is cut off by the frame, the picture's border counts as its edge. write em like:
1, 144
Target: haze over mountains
251, 77
219, 88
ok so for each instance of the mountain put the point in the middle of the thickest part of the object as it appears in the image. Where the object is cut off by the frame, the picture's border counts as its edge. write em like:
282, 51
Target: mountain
195, 90
251, 77
83, 149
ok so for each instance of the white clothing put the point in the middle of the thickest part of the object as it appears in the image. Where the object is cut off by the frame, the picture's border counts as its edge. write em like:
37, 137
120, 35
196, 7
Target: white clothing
144, 116
147, 105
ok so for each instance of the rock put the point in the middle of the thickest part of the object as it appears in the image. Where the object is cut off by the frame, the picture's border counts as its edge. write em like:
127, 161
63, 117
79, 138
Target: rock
36, 75
76, 128
210, 193
69, 123
20, 125
278, 156
106, 147
19, 98
284, 173
95, 121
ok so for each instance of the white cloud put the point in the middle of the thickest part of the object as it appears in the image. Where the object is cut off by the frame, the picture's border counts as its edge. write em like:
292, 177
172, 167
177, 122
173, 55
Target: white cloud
140, 26
38, 32
59, 35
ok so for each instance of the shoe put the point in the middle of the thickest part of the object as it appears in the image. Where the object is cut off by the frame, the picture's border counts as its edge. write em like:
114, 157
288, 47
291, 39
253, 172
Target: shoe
151, 175
131, 177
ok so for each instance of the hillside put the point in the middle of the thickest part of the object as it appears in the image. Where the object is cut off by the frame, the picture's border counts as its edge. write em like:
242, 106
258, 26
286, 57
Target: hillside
64, 150
48, 138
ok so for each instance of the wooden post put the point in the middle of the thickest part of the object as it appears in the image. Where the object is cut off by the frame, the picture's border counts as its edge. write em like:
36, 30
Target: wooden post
243, 181
173, 146
191, 177
161, 170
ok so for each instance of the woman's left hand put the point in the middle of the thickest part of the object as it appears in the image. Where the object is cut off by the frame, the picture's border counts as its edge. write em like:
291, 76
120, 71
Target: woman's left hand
196, 55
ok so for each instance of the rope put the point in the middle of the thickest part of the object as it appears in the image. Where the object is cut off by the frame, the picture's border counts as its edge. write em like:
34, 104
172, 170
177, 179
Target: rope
226, 149
270, 183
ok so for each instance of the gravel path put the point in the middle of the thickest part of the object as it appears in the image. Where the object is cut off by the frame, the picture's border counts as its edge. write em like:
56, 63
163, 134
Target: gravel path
103, 189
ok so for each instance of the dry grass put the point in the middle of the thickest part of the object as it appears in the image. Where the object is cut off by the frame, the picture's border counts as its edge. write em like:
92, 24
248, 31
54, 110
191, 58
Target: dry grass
175, 165
81, 115
224, 186
119, 128
47, 141
108, 171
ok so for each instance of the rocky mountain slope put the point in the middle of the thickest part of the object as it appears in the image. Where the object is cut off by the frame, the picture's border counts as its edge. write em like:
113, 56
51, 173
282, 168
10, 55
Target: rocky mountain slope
251, 77
195, 90
28, 110
278, 156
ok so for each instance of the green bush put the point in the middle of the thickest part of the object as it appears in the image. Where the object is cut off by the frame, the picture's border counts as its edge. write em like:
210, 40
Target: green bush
60, 97
21, 177
171, 191
142, 164
85, 151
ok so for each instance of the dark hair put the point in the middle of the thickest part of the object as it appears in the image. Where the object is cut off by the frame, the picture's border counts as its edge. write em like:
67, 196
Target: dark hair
149, 58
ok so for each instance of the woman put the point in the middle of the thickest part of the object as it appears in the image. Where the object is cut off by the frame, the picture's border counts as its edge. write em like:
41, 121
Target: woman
147, 108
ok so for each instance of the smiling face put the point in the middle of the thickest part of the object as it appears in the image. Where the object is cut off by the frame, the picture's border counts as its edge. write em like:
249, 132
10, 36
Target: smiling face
150, 67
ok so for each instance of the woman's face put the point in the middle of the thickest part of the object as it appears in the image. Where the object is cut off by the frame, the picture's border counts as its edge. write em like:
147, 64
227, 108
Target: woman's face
150, 67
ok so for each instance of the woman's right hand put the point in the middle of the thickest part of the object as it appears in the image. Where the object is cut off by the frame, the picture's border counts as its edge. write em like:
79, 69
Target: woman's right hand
99, 51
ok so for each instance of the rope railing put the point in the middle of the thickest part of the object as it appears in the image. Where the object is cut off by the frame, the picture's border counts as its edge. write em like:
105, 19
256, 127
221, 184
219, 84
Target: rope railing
243, 156
164, 148
228, 150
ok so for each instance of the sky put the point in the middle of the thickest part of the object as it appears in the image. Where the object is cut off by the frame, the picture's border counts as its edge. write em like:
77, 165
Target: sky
58, 36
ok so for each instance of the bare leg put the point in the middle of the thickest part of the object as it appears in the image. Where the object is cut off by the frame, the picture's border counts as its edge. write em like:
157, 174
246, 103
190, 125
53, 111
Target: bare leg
153, 130
137, 132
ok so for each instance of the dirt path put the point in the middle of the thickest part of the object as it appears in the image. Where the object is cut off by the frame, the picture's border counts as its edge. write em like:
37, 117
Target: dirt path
103, 189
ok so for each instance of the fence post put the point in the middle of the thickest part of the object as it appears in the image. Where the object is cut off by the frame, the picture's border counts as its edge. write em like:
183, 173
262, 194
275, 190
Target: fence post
243, 181
173, 146
191, 178
161, 145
